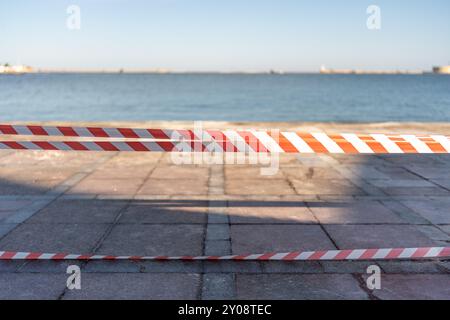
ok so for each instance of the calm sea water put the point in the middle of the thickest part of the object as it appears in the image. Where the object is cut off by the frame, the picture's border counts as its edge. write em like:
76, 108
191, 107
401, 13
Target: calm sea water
304, 97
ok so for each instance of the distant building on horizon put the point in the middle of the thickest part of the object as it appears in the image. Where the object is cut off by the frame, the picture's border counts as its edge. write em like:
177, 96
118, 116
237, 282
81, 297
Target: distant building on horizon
324, 70
16, 69
441, 69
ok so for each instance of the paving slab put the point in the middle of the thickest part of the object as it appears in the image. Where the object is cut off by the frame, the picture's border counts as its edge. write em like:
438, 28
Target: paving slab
249, 173
436, 211
278, 238
134, 172
149, 212
377, 236
416, 191
307, 173
10, 266
408, 267
304, 286
5, 215
429, 171
53, 238
142, 239
5, 228
354, 212
166, 186
123, 159
180, 172
386, 183
326, 187
31, 286
434, 233
30, 187
79, 211
218, 286
258, 187
107, 186
145, 286
414, 287
11, 205
291, 267
279, 213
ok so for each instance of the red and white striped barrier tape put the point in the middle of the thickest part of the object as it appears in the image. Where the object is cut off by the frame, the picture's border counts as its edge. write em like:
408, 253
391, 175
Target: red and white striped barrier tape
329, 255
223, 141
377, 144
97, 132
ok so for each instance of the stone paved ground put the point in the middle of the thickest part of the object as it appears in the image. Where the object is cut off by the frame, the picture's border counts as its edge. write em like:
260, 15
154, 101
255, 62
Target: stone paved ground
143, 204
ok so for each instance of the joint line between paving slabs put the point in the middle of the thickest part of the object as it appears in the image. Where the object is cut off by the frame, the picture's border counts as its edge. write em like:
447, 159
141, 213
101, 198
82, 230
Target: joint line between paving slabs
217, 239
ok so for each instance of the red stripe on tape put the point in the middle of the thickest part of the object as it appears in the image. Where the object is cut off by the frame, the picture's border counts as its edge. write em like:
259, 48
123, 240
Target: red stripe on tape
37, 130
7, 129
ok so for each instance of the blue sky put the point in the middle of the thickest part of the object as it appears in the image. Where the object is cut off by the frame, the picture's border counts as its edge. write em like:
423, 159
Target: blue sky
226, 35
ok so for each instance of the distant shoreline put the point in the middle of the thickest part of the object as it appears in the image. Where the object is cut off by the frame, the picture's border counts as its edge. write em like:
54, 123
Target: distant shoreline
220, 73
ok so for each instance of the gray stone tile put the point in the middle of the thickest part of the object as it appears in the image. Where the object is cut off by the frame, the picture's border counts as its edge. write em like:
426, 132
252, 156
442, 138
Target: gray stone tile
400, 183
326, 187
415, 191
417, 286
130, 172
53, 238
434, 233
217, 247
395, 173
291, 267
78, 211
417, 266
445, 228
354, 212
4, 215
142, 212
171, 187
278, 238
180, 172
12, 205
31, 187
436, 211
405, 213
47, 266
10, 265
119, 286
218, 286
258, 187
134, 239
28, 211
306, 173
430, 172
279, 214
26, 286
346, 267
5, 228
233, 267
172, 266
119, 266
218, 232
298, 287
107, 186
234, 172
377, 236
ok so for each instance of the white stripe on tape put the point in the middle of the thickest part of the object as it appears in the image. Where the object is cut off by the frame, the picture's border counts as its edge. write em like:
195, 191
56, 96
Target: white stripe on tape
387, 143
327, 142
